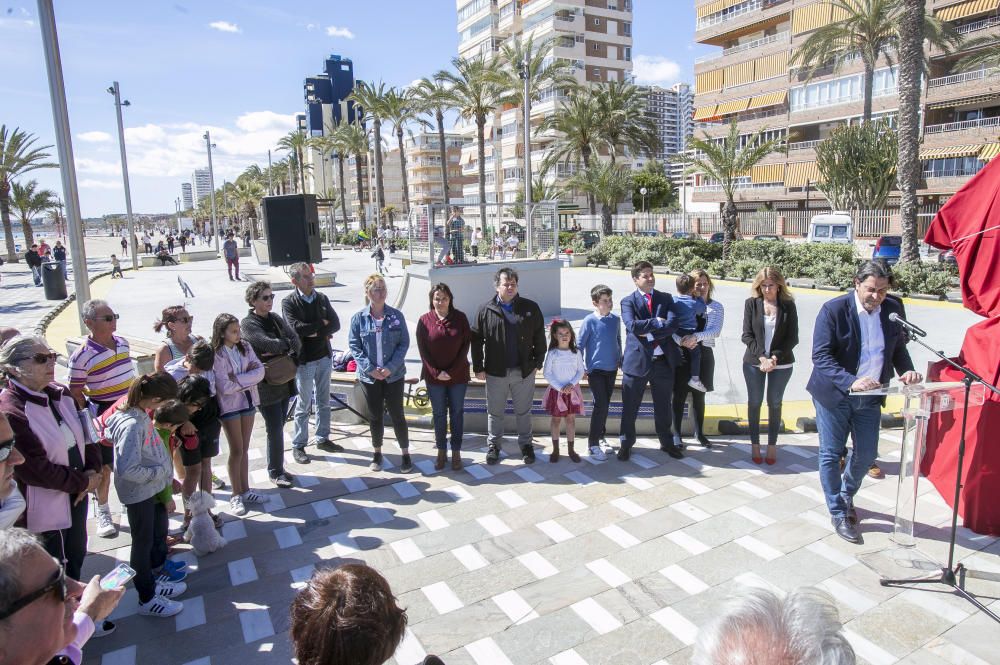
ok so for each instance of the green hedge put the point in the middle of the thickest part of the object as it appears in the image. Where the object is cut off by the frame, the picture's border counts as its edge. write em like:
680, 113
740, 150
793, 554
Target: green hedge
827, 265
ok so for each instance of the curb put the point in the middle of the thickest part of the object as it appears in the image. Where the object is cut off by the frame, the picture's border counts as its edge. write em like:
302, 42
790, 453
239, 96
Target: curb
46, 320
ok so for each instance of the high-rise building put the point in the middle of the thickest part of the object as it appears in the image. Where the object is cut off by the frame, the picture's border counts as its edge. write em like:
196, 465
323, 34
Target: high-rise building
326, 95
187, 198
423, 168
593, 36
749, 79
671, 108
201, 183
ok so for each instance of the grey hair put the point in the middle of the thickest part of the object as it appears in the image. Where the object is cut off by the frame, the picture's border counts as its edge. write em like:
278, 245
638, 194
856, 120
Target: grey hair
296, 270
15, 545
91, 306
757, 627
876, 269
506, 270
17, 350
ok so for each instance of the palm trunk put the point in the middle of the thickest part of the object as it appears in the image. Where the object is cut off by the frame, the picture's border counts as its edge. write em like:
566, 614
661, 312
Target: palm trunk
360, 184
869, 89
379, 185
606, 219
402, 170
8, 232
29, 233
481, 145
343, 190
730, 220
911, 38
585, 154
444, 155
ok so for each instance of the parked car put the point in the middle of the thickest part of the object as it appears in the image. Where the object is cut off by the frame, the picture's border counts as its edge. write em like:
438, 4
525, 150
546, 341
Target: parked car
589, 238
717, 237
768, 237
647, 234
836, 227
684, 235
948, 256
887, 248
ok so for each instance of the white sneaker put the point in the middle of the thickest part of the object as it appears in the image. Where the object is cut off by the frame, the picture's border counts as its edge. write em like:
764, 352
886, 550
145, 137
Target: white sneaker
170, 589
697, 385
105, 525
606, 447
597, 453
160, 607
236, 506
251, 496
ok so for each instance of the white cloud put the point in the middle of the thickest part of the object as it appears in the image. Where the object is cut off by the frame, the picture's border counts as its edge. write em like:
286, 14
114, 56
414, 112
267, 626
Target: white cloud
89, 183
311, 26
256, 121
655, 69
334, 31
224, 26
97, 166
94, 137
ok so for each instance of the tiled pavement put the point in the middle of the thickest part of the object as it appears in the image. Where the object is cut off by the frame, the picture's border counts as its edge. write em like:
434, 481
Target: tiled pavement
613, 562
22, 304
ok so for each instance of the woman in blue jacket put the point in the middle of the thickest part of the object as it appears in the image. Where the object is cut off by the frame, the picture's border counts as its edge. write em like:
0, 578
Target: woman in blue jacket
378, 340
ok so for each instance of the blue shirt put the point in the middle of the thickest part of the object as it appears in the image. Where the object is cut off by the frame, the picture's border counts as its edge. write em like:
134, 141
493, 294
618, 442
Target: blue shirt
600, 341
685, 309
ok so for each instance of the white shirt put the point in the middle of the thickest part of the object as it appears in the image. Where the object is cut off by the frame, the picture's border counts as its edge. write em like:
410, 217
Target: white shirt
379, 360
563, 368
872, 341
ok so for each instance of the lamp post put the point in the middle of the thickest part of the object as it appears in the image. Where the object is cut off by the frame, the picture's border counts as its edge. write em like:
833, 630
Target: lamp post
525, 74
178, 204
211, 183
643, 190
113, 90
270, 187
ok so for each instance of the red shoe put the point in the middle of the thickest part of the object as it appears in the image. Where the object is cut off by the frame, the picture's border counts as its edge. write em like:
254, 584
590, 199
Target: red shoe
755, 453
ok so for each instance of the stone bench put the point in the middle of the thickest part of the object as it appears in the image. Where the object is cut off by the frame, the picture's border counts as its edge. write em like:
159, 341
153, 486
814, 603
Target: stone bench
200, 255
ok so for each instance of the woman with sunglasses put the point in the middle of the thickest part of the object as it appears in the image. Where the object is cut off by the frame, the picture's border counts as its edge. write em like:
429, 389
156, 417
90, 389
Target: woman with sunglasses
11, 501
60, 466
177, 323
271, 337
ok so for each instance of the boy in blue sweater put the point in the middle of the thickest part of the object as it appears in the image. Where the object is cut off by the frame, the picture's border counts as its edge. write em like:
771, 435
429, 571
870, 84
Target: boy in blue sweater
686, 308
600, 341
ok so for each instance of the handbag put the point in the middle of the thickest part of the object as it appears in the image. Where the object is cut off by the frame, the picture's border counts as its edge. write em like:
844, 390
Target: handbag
279, 370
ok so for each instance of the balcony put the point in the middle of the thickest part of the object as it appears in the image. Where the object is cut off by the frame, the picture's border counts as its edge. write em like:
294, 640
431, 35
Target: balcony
781, 37
976, 26
804, 145
956, 79
730, 22
982, 123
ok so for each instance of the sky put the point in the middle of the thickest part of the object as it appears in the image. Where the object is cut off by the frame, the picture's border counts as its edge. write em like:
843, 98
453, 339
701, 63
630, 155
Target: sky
237, 70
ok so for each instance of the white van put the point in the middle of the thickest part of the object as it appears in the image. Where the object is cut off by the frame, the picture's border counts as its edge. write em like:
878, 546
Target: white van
836, 227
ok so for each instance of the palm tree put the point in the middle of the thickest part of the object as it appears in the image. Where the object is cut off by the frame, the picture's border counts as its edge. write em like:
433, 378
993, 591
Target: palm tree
725, 162
247, 194
576, 126
475, 91
295, 143
17, 157
29, 201
911, 50
353, 140
402, 108
622, 119
608, 183
868, 29
370, 97
986, 54
331, 142
431, 97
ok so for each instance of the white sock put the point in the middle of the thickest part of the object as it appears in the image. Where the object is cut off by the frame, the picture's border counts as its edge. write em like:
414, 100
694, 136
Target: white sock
104, 508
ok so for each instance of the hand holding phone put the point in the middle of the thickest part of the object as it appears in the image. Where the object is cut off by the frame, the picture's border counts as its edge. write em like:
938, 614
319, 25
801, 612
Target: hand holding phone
118, 577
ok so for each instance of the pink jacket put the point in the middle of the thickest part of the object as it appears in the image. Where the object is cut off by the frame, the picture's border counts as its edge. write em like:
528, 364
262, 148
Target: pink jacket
234, 395
46, 480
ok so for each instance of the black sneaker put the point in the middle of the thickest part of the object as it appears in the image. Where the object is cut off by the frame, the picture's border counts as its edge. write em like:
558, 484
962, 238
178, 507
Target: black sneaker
104, 629
328, 446
376, 464
406, 465
493, 455
300, 455
623, 453
283, 480
528, 455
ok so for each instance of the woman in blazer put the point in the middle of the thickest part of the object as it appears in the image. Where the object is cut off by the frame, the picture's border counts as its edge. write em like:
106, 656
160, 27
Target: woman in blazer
770, 332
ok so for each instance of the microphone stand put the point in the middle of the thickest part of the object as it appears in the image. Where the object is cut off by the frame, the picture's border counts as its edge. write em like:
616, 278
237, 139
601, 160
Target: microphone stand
952, 574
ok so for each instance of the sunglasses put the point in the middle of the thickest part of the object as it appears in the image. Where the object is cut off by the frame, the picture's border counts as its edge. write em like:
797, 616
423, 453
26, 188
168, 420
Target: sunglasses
42, 358
107, 318
184, 319
267, 298
6, 447
57, 584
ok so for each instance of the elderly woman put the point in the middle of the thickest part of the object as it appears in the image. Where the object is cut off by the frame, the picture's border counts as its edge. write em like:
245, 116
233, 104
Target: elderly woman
60, 466
378, 340
272, 340
708, 328
444, 337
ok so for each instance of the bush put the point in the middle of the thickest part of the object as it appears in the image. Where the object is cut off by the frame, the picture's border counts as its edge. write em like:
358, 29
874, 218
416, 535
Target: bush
919, 277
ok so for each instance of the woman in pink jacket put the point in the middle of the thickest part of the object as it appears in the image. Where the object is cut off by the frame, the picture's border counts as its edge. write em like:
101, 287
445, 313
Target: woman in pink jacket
237, 373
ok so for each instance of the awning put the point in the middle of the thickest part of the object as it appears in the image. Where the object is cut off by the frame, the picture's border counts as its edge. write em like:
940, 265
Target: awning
726, 108
966, 9
770, 99
963, 101
771, 66
740, 74
799, 173
705, 112
950, 151
989, 151
708, 81
466, 157
715, 7
810, 17
767, 173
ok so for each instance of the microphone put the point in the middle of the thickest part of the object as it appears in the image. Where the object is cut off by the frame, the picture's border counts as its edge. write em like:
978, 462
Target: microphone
896, 318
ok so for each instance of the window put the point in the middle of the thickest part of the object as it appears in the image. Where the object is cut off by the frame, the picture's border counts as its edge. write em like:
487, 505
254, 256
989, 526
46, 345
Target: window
597, 21
596, 72
626, 28
628, 53
595, 47
842, 90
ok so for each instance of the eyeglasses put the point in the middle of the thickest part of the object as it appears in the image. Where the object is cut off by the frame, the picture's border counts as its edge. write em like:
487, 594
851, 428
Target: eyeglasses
107, 318
267, 298
58, 584
382, 290
42, 358
184, 319
6, 448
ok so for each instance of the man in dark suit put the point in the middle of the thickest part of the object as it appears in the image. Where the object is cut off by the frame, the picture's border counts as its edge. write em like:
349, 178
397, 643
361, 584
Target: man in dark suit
650, 356
855, 348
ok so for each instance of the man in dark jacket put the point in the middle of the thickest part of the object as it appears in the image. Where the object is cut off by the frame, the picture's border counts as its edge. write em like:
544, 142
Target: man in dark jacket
311, 316
34, 261
508, 348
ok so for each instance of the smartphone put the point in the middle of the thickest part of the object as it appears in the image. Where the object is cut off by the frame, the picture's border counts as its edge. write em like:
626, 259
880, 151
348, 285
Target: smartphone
118, 577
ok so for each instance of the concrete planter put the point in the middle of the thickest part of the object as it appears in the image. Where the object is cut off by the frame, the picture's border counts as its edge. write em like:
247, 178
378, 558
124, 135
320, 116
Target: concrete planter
577, 260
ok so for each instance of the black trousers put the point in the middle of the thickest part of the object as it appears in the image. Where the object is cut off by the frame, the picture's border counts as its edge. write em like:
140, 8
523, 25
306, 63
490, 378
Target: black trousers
661, 381
776, 381
682, 389
274, 423
380, 397
147, 521
602, 385
69, 546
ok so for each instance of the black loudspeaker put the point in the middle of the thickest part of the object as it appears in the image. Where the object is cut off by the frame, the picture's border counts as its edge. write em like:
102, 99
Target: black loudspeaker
291, 224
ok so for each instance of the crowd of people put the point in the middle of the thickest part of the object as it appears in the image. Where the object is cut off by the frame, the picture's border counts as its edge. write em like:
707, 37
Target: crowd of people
154, 436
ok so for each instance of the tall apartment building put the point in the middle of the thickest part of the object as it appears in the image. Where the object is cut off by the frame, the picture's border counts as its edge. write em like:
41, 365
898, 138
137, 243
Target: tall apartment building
423, 168
327, 105
593, 36
392, 183
671, 109
201, 183
749, 78
187, 198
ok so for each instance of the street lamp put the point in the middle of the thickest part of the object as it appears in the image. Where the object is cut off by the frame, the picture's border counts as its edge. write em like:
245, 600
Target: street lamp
211, 183
643, 190
113, 90
525, 74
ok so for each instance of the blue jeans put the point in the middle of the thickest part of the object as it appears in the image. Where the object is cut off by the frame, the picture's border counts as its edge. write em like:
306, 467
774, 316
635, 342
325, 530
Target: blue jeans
312, 378
859, 417
36, 275
448, 401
